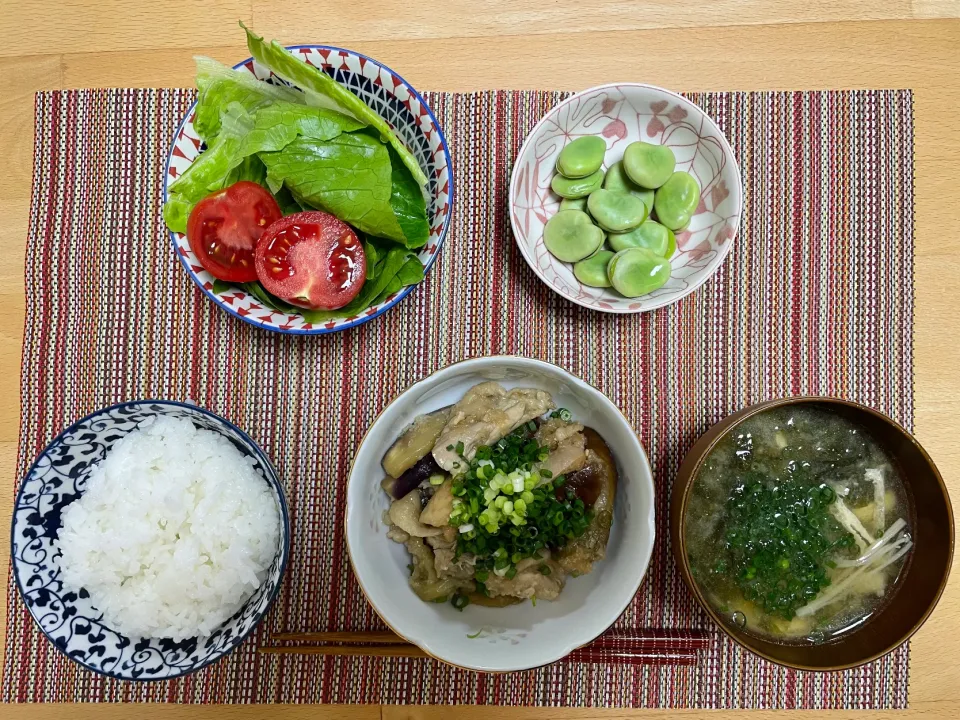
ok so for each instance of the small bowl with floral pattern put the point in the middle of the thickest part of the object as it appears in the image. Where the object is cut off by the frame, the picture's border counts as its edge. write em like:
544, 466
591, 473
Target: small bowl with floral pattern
622, 113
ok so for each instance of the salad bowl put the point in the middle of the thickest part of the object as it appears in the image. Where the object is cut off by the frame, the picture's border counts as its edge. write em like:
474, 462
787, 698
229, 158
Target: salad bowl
403, 109
620, 114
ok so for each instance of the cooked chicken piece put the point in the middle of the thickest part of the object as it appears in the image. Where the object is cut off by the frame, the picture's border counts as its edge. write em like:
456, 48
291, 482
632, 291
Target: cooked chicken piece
554, 432
444, 556
424, 579
566, 443
450, 566
529, 581
484, 415
438, 509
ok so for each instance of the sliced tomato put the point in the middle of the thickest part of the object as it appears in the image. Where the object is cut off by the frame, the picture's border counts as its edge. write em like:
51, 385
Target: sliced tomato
223, 229
312, 260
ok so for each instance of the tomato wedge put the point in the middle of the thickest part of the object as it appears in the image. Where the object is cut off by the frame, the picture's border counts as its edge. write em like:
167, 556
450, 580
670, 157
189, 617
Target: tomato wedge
311, 260
223, 229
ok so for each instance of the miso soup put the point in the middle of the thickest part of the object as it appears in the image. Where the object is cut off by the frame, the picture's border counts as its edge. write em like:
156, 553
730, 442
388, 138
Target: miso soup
798, 525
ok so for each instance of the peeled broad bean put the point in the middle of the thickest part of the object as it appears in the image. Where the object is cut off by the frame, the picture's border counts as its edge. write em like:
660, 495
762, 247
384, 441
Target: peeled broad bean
571, 236
575, 188
650, 235
676, 200
592, 271
648, 165
616, 179
616, 211
671, 245
578, 204
637, 271
582, 157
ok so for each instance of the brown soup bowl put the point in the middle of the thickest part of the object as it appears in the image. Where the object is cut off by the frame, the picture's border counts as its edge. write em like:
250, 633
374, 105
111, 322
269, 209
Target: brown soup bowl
923, 576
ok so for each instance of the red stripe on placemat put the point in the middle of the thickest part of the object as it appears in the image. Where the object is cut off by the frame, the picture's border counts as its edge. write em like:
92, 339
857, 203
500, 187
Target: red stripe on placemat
779, 317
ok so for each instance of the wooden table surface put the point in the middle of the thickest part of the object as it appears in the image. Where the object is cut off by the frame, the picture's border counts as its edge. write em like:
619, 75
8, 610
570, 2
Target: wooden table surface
570, 44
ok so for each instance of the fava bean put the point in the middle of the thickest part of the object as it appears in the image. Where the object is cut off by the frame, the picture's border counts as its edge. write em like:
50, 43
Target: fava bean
648, 165
571, 236
574, 188
616, 179
671, 244
650, 235
616, 211
592, 271
676, 200
582, 157
637, 271
578, 204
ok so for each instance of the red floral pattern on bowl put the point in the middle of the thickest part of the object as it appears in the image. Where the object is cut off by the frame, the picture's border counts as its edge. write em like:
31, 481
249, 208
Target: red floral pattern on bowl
622, 113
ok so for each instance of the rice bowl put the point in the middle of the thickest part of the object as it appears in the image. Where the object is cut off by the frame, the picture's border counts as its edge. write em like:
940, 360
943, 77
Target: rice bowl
70, 620
174, 532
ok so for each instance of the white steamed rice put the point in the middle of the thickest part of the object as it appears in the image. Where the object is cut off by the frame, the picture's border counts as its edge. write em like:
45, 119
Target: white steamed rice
176, 530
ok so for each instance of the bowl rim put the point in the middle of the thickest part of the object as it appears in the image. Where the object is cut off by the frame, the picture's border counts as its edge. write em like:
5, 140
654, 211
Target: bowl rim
651, 524
284, 546
697, 456
727, 149
404, 291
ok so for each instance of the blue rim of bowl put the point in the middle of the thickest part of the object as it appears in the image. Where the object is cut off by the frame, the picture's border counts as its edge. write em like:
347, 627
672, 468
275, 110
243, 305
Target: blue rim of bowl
284, 556
403, 292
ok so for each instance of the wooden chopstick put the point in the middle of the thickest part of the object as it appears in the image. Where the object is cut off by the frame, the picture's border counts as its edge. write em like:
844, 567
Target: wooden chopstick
583, 655
384, 638
622, 647
399, 650
647, 639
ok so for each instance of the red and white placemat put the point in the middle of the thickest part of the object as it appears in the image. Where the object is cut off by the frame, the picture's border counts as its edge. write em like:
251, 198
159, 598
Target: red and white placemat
816, 297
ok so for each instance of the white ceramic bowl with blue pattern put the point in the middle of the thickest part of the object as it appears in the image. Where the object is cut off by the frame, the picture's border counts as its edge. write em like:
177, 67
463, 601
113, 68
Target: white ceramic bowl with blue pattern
69, 619
397, 102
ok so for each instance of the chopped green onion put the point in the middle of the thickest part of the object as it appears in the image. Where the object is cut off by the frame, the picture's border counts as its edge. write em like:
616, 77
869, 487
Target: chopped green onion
436, 479
460, 601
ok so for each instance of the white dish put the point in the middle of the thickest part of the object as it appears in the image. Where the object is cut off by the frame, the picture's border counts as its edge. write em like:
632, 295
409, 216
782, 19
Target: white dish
622, 113
520, 636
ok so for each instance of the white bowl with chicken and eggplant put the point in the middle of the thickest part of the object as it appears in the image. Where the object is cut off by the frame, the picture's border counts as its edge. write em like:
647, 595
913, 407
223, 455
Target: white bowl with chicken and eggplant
500, 514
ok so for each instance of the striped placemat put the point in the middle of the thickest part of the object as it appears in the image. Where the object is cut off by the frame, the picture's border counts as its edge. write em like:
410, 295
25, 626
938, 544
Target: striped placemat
816, 297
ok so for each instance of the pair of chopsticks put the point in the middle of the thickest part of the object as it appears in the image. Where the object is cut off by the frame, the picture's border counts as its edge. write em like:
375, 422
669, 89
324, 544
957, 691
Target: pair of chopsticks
617, 647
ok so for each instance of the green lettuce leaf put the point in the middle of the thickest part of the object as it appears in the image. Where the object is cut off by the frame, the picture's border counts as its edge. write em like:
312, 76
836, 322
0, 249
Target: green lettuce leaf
323, 91
288, 204
220, 86
241, 136
348, 176
250, 168
409, 205
352, 177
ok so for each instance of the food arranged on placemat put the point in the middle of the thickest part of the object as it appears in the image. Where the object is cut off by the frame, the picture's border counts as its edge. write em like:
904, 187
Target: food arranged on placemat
605, 224
312, 151
499, 498
798, 525
173, 534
